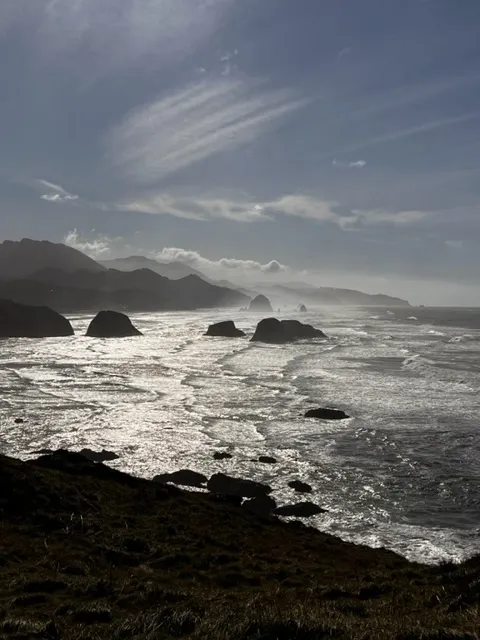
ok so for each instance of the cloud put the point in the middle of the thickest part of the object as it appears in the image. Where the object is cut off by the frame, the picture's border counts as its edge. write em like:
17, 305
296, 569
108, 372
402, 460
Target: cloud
193, 124
407, 132
114, 34
356, 164
54, 193
194, 259
200, 208
345, 52
293, 205
454, 244
99, 247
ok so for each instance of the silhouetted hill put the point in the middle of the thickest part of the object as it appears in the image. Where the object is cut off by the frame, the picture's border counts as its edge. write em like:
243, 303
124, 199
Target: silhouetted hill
333, 296
141, 290
171, 270
21, 259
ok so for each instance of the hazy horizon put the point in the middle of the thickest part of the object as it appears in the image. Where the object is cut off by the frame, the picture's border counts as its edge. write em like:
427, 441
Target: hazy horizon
333, 142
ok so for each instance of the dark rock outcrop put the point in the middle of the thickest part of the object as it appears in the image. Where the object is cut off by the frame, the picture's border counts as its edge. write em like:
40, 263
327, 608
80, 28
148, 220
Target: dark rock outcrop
262, 506
276, 331
299, 510
88, 454
267, 460
99, 456
226, 485
111, 324
327, 414
260, 303
77, 464
300, 487
19, 420
24, 321
222, 455
303, 308
184, 477
226, 329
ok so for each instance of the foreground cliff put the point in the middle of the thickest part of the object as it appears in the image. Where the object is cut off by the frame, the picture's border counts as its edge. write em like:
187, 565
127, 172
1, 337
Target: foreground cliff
88, 552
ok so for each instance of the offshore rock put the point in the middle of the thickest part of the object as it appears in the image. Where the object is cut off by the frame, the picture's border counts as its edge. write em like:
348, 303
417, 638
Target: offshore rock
300, 487
226, 329
275, 331
111, 324
267, 460
260, 303
327, 414
25, 321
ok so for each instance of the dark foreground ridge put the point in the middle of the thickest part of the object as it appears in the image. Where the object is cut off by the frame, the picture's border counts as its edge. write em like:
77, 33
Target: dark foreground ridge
87, 552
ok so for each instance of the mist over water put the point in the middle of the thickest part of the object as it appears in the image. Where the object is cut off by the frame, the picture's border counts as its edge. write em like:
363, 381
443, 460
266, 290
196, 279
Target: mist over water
402, 472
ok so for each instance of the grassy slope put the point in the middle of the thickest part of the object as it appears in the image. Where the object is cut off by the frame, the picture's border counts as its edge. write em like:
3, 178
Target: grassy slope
87, 552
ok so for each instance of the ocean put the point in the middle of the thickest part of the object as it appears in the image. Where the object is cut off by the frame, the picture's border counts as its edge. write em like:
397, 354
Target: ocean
403, 472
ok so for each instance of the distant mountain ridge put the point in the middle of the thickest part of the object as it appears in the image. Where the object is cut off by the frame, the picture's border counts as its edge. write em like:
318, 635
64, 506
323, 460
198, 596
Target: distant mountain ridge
52, 274
171, 270
315, 296
21, 259
45, 273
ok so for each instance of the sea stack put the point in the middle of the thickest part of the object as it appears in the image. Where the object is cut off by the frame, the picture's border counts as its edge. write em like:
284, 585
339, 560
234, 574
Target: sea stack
276, 331
25, 321
111, 324
260, 303
226, 329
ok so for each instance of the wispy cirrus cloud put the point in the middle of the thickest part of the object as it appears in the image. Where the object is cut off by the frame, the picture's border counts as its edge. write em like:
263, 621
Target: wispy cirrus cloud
422, 128
196, 208
354, 164
193, 124
53, 192
308, 207
114, 33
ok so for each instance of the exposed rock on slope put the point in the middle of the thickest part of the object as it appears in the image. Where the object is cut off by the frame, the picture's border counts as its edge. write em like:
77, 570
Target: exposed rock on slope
225, 329
24, 321
275, 331
110, 324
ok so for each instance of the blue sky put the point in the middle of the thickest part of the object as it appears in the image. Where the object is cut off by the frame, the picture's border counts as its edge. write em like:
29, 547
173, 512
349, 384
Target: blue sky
336, 141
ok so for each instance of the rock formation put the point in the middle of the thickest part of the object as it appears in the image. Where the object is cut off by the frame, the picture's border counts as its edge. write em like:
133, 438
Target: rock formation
111, 324
226, 329
327, 414
267, 460
222, 484
222, 455
300, 487
24, 321
299, 510
184, 477
260, 303
276, 331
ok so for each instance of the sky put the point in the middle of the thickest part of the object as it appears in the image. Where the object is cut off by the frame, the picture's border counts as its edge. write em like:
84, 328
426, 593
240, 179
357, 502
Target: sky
332, 141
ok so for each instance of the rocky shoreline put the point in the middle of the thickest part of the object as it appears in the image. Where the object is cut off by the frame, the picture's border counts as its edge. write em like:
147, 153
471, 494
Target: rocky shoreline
90, 552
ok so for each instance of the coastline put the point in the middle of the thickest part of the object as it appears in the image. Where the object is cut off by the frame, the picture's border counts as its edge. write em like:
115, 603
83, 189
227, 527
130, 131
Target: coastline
90, 552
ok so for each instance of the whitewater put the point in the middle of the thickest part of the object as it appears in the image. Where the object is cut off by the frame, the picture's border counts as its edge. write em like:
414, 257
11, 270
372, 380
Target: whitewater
402, 473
